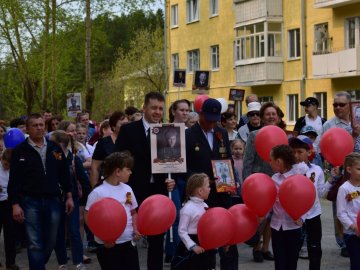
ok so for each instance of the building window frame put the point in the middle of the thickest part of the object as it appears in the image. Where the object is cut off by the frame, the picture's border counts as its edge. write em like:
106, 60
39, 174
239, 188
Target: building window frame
321, 38
352, 32
214, 8
175, 61
322, 108
192, 11
294, 51
193, 60
215, 57
174, 16
292, 107
265, 99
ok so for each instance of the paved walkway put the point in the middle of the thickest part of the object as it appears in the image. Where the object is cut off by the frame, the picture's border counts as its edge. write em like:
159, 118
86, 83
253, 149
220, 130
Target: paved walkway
331, 259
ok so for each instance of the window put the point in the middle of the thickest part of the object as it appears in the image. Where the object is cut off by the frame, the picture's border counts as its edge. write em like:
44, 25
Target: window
250, 42
174, 16
192, 10
214, 56
292, 108
294, 43
193, 60
321, 41
175, 61
322, 98
265, 99
352, 32
214, 7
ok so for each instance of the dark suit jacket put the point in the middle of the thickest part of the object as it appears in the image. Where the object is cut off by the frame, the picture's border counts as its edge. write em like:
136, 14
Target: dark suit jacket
199, 156
132, 138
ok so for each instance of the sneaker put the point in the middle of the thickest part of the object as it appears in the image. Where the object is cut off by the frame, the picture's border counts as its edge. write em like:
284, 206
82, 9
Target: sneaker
258, 256
12, 267
63, 267
80, 266
303, 254
344, 252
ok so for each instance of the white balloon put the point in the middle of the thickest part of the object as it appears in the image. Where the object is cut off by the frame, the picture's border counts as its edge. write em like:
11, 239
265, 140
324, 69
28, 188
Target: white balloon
224, 104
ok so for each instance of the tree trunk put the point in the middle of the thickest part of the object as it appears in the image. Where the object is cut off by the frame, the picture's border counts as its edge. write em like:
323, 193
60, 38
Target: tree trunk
88, 83
55, 105
45, 65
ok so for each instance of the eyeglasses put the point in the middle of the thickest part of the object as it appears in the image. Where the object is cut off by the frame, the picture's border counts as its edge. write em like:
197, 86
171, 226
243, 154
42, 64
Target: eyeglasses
251, 114
341, 105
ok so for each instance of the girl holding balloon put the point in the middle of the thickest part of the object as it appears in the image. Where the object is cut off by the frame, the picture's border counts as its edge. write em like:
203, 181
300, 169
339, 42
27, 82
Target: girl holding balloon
348, 208
285, 232
189, 254
122, 253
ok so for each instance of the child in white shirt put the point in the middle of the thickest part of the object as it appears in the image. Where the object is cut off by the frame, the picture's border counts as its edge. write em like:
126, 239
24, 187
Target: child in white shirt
348, 207
123, 253
189, 254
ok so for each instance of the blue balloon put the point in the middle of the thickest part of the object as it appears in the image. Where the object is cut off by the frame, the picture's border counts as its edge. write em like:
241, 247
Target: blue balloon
13, 137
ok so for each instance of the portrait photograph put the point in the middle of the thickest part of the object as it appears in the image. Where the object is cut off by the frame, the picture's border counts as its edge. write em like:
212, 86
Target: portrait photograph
236, 94
168, 148
179, 77
73, 103
355, 113
201, 79
224, 175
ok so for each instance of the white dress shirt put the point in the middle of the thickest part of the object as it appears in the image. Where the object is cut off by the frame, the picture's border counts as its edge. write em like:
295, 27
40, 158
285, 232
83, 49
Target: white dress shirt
347, 211
279, 217
189, 219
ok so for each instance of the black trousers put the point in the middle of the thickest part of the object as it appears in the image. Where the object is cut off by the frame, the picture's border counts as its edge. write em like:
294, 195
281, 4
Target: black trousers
286, 247
155, 254
7, 222
314, 234
120, 257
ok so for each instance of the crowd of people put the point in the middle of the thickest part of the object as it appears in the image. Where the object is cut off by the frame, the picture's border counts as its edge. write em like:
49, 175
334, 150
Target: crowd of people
49, 182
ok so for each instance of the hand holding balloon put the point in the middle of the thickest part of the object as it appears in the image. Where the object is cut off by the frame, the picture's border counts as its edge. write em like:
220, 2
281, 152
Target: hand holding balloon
197, 249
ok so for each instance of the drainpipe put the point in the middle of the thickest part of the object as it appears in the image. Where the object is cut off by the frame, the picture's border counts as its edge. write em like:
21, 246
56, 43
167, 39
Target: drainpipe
165, 56
303, 50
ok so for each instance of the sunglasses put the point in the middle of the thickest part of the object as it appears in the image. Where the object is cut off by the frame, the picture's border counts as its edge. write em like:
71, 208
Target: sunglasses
251, 114
341, 105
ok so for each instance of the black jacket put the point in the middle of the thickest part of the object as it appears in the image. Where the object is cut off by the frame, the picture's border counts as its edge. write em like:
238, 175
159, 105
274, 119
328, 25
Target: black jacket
28, 177
300, 123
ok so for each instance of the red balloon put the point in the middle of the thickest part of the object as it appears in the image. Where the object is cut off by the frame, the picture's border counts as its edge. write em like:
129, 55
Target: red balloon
156, 215
267, 138
198, 102
259, 193
297, 195
358, 220
216, 228
246, 223
335, 144
107, 219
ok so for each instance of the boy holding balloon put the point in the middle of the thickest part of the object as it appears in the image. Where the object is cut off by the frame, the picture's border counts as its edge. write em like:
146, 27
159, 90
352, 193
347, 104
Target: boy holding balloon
303, 151
117, 170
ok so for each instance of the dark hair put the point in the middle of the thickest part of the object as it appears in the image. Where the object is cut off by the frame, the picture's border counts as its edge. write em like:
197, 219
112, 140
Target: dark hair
16, 122
30, 117
227, 115
3, 128
279, 112
79, 115
115, 117
298, 144
351, 159
194, 182
174, 107
6, 155
117, 160
50, 120
104, 125
131, 110
60, 137
47, 111
64, 124
285, 153
153, 95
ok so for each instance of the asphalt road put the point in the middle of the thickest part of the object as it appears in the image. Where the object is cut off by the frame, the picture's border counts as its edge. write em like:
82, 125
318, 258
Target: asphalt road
331, 259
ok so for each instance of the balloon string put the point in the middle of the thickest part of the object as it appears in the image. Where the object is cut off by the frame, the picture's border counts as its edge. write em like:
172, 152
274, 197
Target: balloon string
171, 228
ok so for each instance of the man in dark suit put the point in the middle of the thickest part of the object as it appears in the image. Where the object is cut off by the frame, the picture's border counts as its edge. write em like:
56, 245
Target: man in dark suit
205, 141
135, 138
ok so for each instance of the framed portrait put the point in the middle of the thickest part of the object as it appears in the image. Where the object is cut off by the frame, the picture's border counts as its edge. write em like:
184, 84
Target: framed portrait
179, 77
236, 94
355, 113
73, 104
224, 175
201, 80
168, 153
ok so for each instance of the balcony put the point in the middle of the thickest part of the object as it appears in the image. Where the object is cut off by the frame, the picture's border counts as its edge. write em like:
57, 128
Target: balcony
260, 73
345, 63
252, 10
333, 3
